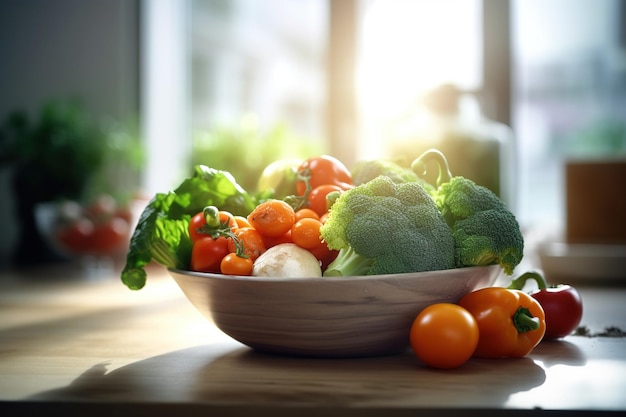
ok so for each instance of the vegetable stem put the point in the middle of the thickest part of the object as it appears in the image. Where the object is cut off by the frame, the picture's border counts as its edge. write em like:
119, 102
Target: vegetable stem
524, 320
419, 165
519, 282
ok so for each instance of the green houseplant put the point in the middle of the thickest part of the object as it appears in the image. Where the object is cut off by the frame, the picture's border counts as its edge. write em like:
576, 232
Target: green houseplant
62, 153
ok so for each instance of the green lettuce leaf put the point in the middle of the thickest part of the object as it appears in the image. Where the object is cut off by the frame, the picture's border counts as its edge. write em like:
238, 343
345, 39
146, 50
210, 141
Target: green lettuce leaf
162, 234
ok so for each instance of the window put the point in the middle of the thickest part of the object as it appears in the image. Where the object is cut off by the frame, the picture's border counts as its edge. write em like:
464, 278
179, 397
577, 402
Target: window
569, 96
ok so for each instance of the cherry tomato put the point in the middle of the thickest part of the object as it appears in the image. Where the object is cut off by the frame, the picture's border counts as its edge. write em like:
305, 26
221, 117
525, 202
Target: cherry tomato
76, 236
444, 335
199, 220
324, 170
276, 240
272, 218
242, 221
306, 233
306, 213
317, 198
102, 208
563, 308
233, 264
207, 254
252, 241
561, 304
324, 255
110, 236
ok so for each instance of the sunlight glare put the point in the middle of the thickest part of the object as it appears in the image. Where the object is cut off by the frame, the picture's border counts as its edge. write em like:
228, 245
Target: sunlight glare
408, 47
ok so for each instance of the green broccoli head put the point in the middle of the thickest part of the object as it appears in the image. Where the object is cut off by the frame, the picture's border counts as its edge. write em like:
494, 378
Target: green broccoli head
489, 237
397, 228
485, 231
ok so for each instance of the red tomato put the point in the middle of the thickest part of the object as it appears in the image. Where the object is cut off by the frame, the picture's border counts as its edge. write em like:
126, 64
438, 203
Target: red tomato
110, 236
317, 197
76, 236
102, 208
273, 241
324, 255
444, 335
563, 307
207, 254
199, 220
324, 170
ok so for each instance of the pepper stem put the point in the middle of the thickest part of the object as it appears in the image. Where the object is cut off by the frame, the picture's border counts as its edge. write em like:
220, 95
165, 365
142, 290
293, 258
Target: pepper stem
419, 165
524, 320
519, 282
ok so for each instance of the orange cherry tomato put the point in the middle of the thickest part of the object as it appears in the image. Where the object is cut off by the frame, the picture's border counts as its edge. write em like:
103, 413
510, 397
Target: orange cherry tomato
252, 241
306, 213
444, 335
233, 264
242, 221
306, 233
272, 218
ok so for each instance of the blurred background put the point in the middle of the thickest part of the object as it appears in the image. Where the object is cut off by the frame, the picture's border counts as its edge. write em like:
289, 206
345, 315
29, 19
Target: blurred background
123, 97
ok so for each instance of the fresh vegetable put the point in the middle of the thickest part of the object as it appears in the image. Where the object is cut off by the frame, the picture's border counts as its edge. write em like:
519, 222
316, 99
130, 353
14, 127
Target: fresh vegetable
199, 228
100, 227
484, 230
272, 218
287, 260
317, 198
207, 254
278, 179
380, 227
235, 264
364, 171
323, 170
444, 335
162, 232
306, 233
248, 241
510, 322
306, 213
561, 304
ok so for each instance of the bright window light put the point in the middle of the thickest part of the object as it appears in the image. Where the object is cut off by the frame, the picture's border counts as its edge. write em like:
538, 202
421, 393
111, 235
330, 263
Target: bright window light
407, 47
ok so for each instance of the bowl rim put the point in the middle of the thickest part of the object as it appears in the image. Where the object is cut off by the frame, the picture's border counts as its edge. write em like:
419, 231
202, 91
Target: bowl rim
402, 276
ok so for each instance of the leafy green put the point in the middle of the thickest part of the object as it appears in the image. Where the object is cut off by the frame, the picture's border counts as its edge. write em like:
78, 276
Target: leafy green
162, 234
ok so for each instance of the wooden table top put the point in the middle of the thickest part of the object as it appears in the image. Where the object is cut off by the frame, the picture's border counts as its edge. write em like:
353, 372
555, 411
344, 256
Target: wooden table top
79, 347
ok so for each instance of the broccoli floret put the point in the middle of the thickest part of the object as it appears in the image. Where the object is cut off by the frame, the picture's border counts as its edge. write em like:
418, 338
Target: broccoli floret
381, 227
485, 231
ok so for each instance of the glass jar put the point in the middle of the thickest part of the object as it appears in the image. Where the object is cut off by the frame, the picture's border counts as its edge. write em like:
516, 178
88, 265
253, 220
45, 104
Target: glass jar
476, 147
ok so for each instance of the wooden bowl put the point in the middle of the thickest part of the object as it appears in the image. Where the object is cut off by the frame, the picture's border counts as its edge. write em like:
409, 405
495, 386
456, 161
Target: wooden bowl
326, 317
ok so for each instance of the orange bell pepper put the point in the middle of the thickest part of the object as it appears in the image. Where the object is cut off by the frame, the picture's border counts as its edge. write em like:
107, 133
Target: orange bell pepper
510, 322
